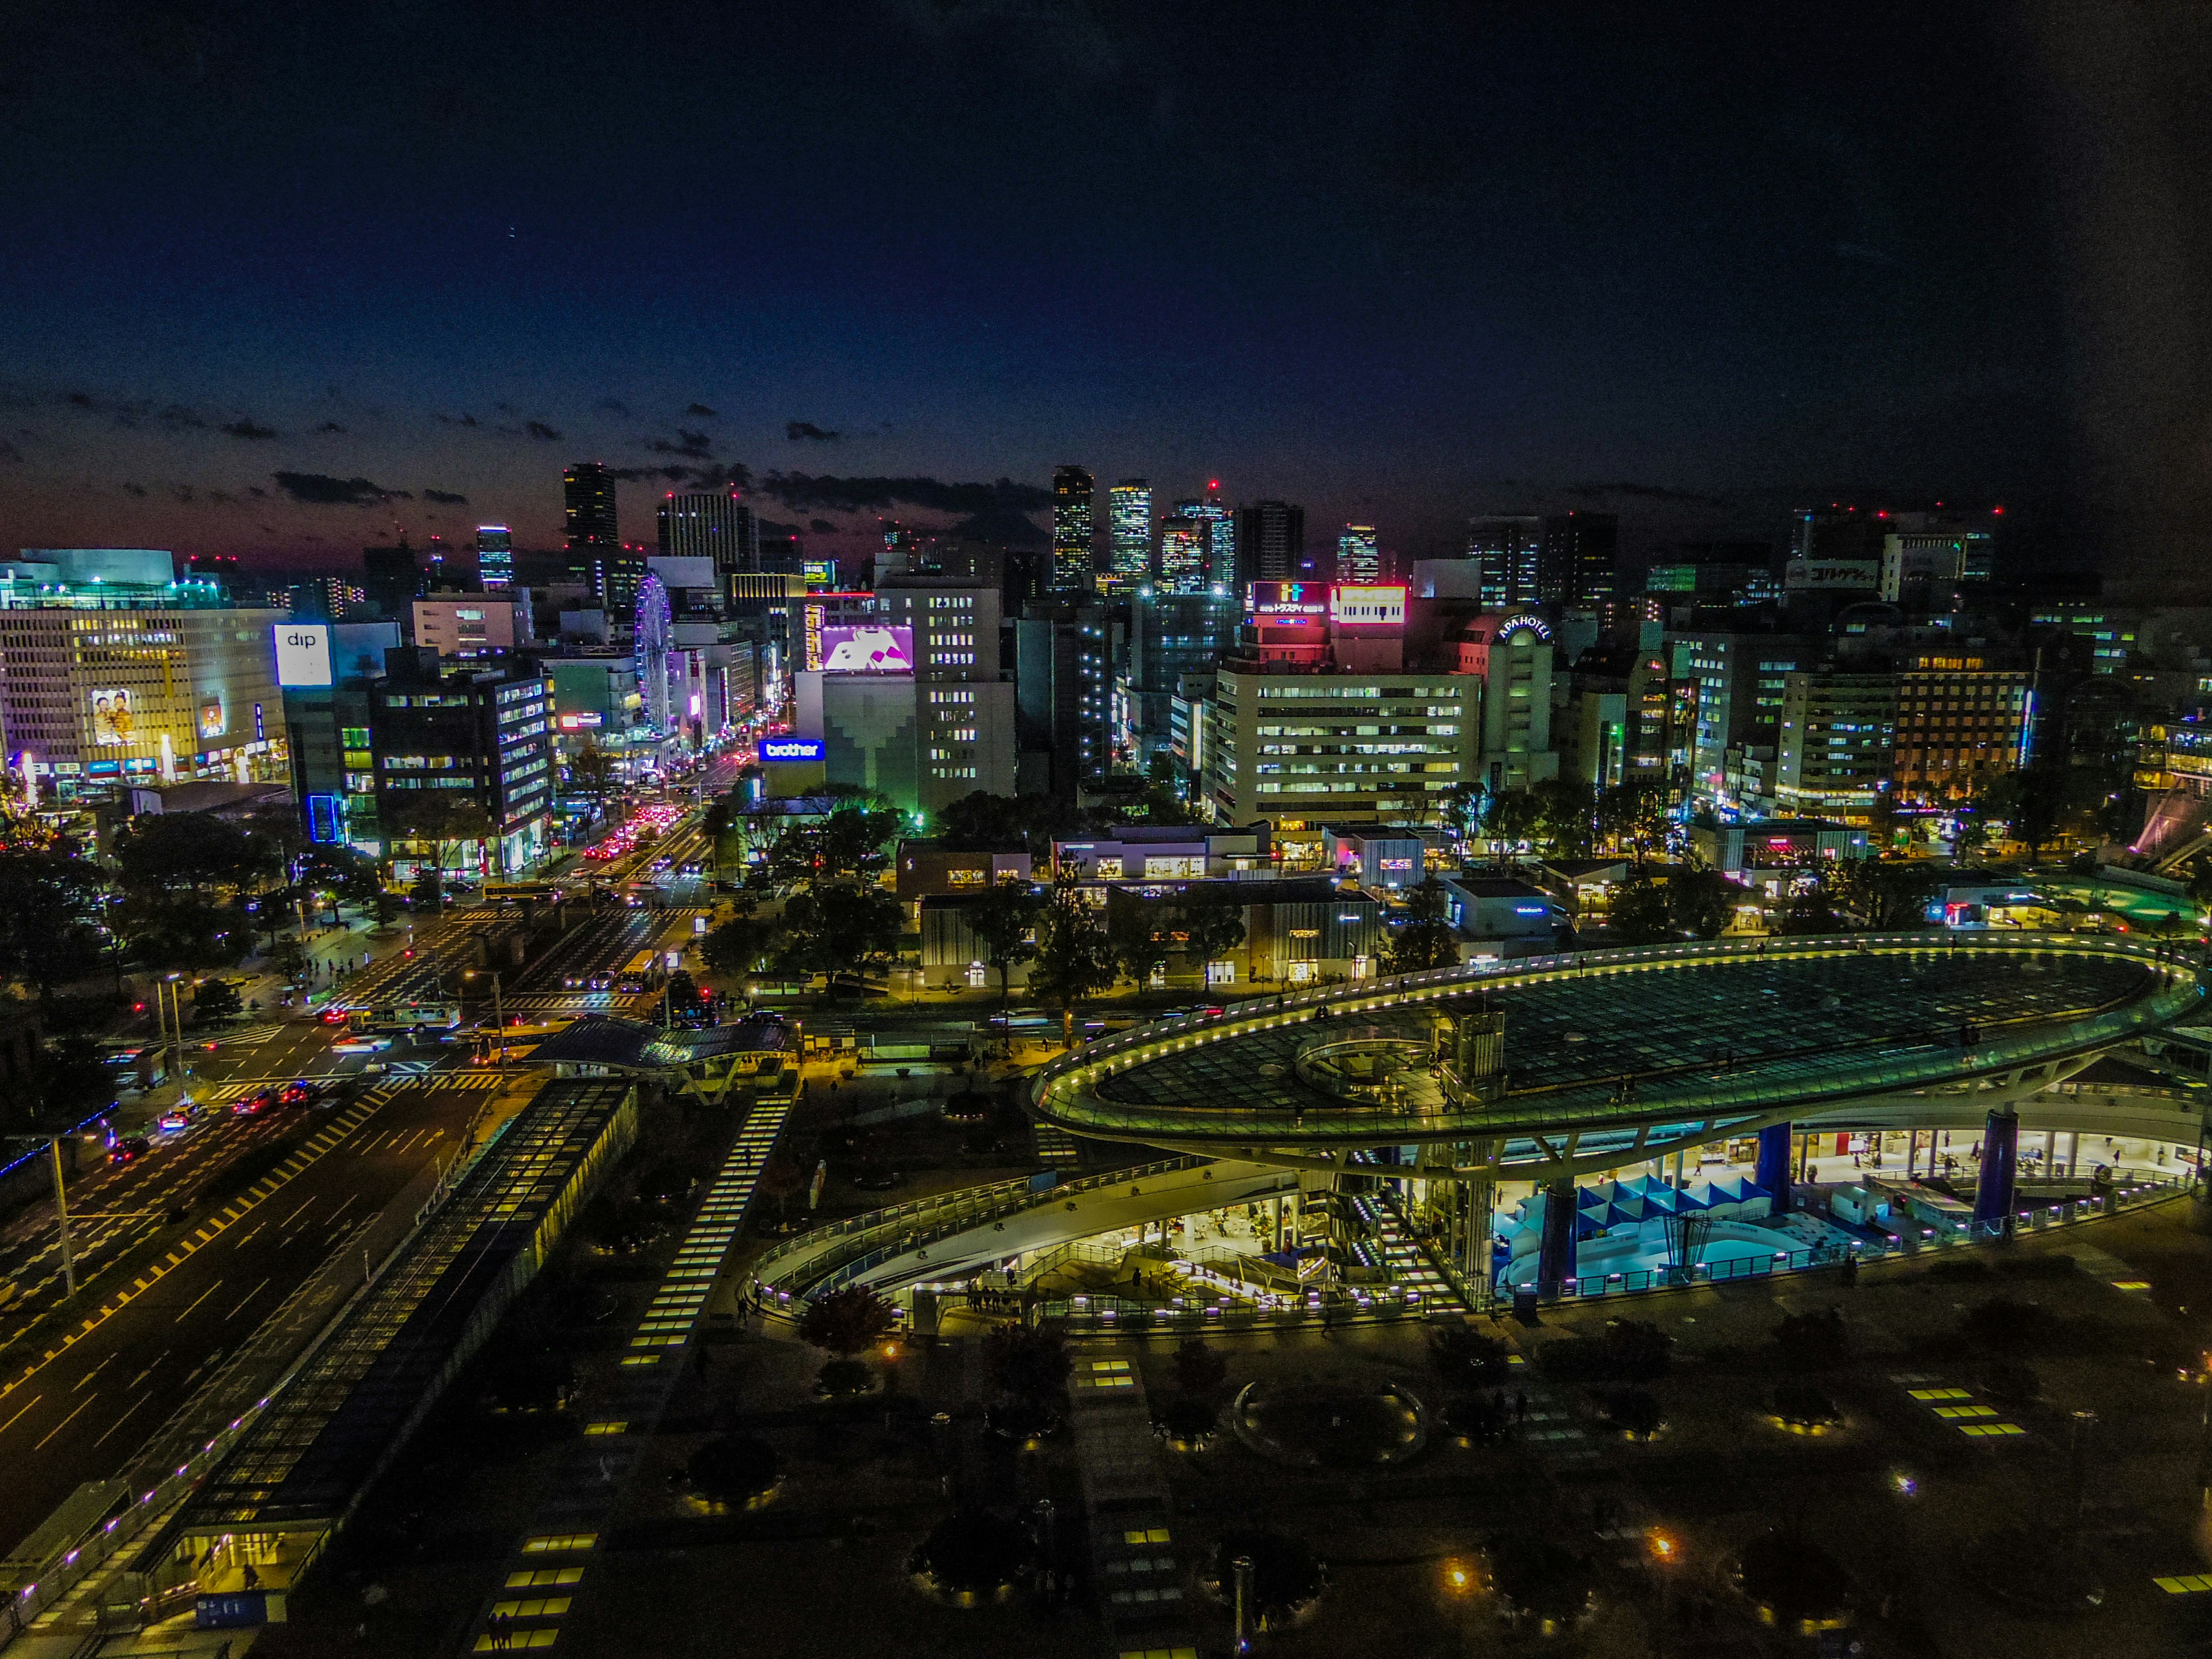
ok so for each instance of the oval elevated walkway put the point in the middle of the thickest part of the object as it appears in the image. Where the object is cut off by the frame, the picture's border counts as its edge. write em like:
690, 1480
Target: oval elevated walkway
956, 1235
1614, 1056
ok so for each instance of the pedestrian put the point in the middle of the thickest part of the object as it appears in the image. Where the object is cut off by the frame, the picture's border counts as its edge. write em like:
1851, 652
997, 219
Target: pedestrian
1521, 1405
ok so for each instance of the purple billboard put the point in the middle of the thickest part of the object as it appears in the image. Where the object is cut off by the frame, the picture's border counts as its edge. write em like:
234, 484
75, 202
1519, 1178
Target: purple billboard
864, 650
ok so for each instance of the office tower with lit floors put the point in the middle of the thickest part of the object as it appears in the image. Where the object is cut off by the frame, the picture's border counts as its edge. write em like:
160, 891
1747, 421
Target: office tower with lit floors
1359, 555
1182, 554
1071, 532
1271, 543
716, 526
1130, 533
494, 557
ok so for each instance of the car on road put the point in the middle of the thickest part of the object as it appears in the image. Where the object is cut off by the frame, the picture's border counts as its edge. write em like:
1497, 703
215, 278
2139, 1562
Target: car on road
300, 1092
1020, 1019
252, 1105
129, 1150
362, 1043
333, 1016
600, 982
572, 981
182, 1116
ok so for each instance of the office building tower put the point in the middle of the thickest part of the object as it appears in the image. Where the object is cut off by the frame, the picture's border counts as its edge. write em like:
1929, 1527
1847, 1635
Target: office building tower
1577, 564
1505, 549
1338, 772
1130, 533
1837, 738
1182, 554
1962, 723
494, 557
328, 598
718, 526
1173, 637
326, 724
1062, 677
1271, 543
1071, 529
1731, 687
1358, 556
589, 491
394, 578
617, 573
481, 735
1926, 557
1218, 526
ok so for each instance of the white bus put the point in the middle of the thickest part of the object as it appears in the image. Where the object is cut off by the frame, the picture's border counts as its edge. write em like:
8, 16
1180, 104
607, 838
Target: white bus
394, 1017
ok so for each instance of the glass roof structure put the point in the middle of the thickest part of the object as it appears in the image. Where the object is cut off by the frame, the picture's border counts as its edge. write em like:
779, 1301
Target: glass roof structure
1671, 1041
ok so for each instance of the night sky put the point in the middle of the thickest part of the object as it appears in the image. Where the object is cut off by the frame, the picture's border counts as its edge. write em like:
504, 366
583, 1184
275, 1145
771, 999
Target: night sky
263, 269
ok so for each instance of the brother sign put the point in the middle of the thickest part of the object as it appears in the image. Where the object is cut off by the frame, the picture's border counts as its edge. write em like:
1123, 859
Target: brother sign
303, 653
790, 749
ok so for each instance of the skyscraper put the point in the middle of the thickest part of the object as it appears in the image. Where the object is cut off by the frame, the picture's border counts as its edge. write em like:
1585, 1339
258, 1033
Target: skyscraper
1071, 529
1359, 558
591, 510
1576, 564
1182, 553
1130, 529
1271, 542
494, 555
718, 526
1219, 526
1507, 549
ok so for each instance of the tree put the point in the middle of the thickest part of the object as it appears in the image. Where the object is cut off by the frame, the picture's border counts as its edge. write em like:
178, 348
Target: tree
1566, 813
1200, 1370
64, 1084
1889, 893
1029, 1362
1212, 923
1424, 940
216, 998
838, 926
429, 891
984, 823
1004, 924
731, 1470
183, 930
2032, 800
739, 945
1634, 812
1463, 809
591, 772
1701, 903
1640, 913
1809, 911
440, 818
847, 1322
49, 910
1511, 816
1073, 959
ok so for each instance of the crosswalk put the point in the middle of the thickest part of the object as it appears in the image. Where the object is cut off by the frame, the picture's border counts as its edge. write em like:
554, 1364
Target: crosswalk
251, 1037
449, 1080
1056, 1146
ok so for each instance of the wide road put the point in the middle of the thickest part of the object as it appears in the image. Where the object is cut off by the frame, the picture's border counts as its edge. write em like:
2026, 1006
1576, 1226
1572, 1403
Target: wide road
82, 1414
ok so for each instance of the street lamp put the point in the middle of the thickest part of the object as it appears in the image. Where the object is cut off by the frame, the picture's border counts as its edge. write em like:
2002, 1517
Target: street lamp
498, 1015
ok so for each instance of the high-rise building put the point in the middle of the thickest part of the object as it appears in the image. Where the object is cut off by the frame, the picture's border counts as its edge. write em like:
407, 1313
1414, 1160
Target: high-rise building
617, 573
1173, 636
484, 736
1130, 530
718, 526
1837, 738
1062, 676
494, 555
1182, 554
1359, 555
1271, 543
1578, 561
1962, 723
589, 489
1732, 686
1218, 526
1333, 769
1926, 555
1506, 551
394, 578
1071, 529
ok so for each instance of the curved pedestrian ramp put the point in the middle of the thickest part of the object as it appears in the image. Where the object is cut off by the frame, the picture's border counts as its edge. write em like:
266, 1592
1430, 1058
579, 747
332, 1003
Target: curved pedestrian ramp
297, 1472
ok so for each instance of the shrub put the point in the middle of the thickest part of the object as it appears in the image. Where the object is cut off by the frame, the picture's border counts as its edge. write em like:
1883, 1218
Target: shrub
1029, 1362
1634, 1412
1480, 1418
846, 1322
1536, 1578
845, 1377
1813, 1341
1804, 1405
1186, 1418
974, 1550
1284, 1572
1466, 1358
1200, 1370
1021, 1420
2008, 1325
732, 1469
2010, 1379
1798, 1581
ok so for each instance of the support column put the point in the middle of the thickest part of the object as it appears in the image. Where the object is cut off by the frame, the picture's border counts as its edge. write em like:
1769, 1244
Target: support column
1555, 1260
1772, 1173
1993, 1192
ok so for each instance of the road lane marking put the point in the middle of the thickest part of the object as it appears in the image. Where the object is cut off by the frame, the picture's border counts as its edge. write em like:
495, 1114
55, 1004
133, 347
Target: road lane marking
10, 1423
93, 1372
248, 1297
66, 1421
249, 1235
118, 1422
148, 1372
203, 1297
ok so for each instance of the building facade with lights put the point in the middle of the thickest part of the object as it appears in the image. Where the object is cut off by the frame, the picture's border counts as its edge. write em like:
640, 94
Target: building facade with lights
1072, 489
1130, 535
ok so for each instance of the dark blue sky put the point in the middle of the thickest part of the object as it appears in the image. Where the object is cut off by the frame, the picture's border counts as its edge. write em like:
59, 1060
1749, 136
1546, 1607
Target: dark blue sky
1401, 262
